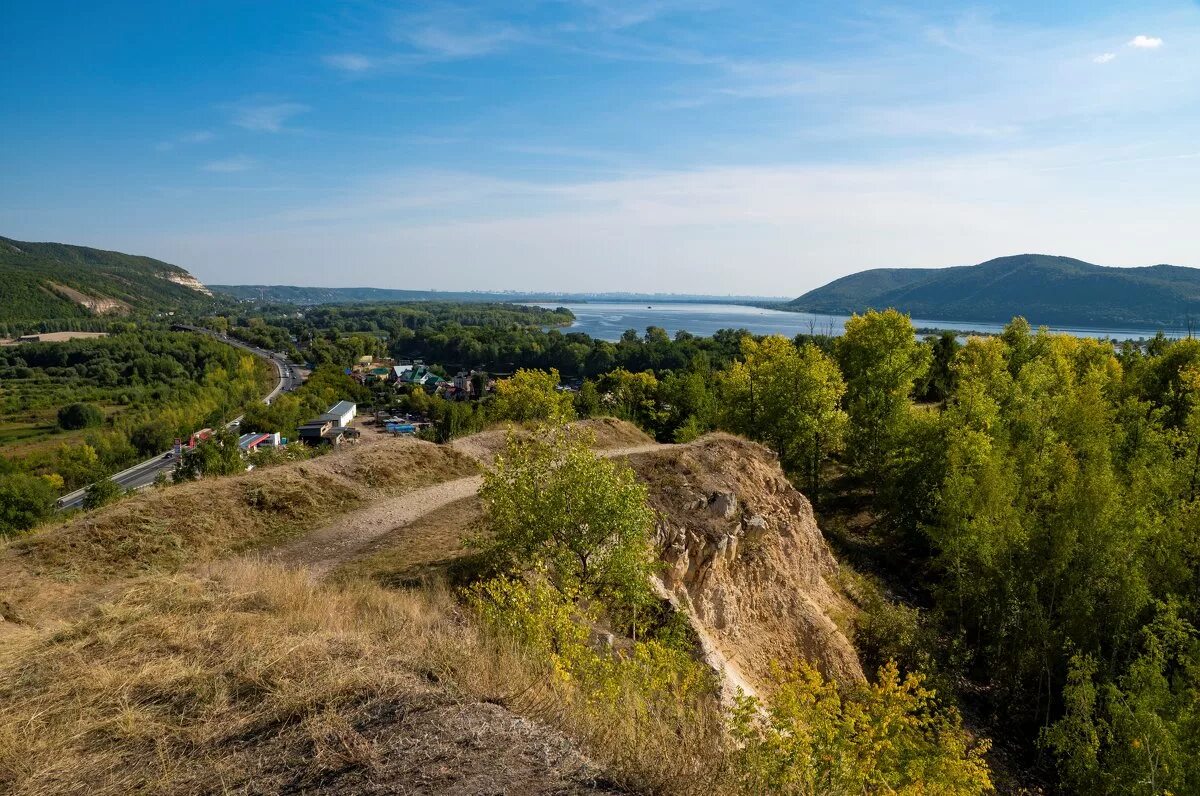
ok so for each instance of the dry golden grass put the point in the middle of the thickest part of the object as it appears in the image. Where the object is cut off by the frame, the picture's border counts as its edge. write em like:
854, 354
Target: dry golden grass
60, 570
161, 530
247, 678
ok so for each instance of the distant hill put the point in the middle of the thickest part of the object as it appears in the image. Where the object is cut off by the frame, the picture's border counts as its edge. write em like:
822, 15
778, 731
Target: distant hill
1043, 288
292, 294
57, 281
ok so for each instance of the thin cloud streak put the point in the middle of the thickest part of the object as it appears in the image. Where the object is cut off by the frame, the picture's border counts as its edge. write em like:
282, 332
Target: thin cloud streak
268, 117
230, 165
348, 62
197, 137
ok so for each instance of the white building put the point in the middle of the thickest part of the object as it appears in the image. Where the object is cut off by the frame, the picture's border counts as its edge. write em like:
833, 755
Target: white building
341, 413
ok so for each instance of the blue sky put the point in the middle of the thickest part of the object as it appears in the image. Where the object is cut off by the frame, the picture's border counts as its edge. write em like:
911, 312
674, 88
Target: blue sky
687, 145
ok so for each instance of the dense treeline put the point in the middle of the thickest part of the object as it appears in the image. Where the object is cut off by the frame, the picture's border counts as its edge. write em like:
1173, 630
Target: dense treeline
76, 411
80, 323
339, 334
1057, 495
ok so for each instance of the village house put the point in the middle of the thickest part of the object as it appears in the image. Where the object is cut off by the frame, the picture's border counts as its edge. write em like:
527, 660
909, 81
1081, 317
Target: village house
332, 426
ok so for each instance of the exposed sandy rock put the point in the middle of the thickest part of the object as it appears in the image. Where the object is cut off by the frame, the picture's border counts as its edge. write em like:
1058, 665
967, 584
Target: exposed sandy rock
186, 280
745, 557
97, 304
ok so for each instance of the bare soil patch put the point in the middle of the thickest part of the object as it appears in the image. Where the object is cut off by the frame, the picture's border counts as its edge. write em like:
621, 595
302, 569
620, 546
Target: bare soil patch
419, 552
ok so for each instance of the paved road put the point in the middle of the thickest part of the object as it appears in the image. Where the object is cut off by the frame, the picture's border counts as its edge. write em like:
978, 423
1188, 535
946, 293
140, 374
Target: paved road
144, 474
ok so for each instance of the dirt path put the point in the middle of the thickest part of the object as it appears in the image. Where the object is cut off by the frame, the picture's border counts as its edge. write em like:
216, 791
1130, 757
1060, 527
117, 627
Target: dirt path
324, 549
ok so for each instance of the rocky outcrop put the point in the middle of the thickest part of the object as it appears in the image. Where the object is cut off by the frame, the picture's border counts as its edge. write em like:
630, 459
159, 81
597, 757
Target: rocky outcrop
186, 280
744, 557
100, 305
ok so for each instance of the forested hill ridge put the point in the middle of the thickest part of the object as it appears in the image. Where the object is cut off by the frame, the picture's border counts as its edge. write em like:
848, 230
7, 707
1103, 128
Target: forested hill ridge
1043, 288
58, 281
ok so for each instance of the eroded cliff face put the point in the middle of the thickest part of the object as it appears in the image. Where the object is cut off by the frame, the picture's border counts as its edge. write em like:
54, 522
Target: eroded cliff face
744, 557
186, 280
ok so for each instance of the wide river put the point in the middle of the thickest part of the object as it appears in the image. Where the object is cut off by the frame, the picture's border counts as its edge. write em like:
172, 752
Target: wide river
608, 321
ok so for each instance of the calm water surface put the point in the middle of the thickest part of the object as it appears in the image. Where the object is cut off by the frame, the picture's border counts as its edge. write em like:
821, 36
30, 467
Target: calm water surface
608, 321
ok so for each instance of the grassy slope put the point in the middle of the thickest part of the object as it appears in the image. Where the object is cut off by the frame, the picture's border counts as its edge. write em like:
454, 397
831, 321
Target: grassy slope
28, 269
250, 679
136, 656
1045, 289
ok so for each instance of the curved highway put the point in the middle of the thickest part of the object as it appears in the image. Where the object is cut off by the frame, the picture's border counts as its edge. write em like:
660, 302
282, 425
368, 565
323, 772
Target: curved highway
144, 473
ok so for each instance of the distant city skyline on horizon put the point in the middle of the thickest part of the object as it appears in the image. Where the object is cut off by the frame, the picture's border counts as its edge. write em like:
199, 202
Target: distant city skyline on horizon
752, 149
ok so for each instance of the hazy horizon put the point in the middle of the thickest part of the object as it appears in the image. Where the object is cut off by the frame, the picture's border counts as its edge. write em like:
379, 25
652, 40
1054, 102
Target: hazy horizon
648, 146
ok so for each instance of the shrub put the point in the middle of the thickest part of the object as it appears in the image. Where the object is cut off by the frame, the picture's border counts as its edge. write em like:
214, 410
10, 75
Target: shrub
25, 500
101, 493
79, 415
889, 737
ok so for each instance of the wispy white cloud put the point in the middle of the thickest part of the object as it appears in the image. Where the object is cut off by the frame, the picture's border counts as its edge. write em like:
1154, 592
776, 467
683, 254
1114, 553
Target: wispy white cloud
267, 117
982, 80
230, 165
446, 43
451, 33
196, 137
348, 62
1146, 42
615, 15
600, 28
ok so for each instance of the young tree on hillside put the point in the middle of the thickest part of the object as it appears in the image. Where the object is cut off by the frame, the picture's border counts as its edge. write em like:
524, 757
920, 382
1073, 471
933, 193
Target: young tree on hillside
532, 396
551, 503
788, 398
880, 358
587, 400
